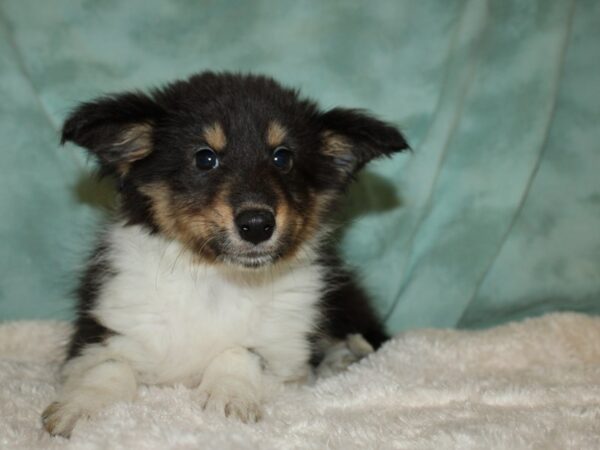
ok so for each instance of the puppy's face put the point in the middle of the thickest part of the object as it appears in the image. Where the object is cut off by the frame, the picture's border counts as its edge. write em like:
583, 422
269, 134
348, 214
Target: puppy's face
237, 168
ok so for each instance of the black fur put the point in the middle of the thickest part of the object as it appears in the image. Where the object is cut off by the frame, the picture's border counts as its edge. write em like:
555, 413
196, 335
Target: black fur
371, 138
147, 138
87, 328
346, 308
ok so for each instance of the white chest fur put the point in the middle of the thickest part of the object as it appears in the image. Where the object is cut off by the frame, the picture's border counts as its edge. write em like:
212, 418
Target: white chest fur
172, 316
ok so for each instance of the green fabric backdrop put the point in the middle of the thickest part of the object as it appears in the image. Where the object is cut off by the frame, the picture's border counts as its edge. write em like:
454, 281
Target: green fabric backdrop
496, 214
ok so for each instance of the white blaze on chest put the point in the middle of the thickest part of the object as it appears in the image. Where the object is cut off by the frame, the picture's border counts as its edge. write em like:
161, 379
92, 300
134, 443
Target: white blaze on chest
172, 315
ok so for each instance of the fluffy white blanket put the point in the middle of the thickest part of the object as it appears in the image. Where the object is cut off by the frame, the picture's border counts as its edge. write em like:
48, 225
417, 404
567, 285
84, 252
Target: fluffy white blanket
534, 384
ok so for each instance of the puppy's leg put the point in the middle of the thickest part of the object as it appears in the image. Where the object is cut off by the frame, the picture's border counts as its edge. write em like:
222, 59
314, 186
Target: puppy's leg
350, 329
346, 310
92, 382
232, 385
340, 354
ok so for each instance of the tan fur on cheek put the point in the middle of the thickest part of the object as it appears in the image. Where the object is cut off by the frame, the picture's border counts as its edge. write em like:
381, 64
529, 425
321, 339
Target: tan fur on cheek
287, 221
160, 197
220, 211
215, 137
320, 205
276, 134
301, 227
192, 227
214, 219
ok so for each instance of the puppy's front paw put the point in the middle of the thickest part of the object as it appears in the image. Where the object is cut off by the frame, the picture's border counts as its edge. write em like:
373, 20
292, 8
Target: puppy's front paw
59, 418
232, 398
342, 354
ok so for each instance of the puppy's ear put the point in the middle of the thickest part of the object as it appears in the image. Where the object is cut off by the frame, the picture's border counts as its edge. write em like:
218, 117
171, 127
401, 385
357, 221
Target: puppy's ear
353, 138
116, 129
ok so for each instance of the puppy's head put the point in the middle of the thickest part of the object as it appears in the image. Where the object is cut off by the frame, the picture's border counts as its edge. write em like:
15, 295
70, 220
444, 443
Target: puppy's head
237, 168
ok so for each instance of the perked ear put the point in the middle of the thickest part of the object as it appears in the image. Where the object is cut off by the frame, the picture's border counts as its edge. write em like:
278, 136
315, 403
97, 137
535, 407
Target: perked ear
353, 138
116, 129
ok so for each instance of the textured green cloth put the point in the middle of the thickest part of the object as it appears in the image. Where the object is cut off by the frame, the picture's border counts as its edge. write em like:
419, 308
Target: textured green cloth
495, 215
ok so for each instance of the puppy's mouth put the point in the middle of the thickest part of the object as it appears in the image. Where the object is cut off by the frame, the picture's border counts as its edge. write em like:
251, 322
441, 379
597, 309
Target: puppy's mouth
232, 251
250, 260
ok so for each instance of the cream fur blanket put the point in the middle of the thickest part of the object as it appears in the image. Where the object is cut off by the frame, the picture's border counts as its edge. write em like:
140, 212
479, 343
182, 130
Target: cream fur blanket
534, 384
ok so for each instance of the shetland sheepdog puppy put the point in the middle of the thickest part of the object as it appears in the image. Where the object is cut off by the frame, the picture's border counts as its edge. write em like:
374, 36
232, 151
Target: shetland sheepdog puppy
216, 271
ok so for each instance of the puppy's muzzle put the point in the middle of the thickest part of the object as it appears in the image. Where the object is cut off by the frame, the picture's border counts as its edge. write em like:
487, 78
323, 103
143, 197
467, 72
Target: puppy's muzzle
255, 225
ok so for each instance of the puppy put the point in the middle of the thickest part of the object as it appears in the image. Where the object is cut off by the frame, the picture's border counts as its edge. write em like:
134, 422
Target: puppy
216, 272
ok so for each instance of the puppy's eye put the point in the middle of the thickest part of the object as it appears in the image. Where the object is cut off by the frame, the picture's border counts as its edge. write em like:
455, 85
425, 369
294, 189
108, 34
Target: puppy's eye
206, 159
283, 159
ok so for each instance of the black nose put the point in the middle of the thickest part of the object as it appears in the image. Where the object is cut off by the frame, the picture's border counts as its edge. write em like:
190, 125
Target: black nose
255, 225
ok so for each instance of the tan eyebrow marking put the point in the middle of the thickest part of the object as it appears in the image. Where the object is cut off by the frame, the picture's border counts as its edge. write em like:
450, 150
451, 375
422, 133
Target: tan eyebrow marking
215, 136
276, 133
